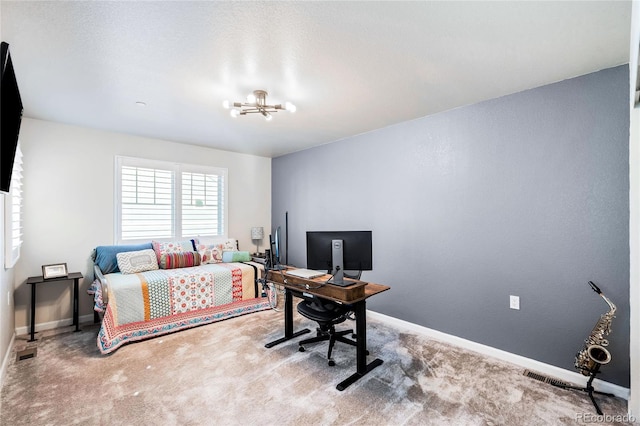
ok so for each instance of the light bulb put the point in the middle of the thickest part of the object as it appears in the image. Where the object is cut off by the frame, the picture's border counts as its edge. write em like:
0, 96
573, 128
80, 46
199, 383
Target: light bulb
251, 98
226, 104
234, 112
267, 116
290, 107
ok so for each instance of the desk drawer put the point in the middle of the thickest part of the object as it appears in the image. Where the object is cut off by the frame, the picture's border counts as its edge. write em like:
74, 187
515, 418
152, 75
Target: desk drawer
344, 294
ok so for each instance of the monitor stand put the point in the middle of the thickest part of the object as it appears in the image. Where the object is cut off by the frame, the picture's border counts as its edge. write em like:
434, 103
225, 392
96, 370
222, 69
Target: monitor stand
337, 260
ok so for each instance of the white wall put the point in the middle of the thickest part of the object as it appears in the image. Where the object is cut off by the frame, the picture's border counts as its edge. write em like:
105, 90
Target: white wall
69, 206
6, 299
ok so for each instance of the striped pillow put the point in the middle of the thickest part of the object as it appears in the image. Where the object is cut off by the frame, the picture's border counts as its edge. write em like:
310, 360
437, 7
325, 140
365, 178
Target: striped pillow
164, 247
179, 260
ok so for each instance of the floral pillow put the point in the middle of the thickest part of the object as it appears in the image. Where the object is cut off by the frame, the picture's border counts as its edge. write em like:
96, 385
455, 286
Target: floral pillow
230, 245
211, 253
173, 247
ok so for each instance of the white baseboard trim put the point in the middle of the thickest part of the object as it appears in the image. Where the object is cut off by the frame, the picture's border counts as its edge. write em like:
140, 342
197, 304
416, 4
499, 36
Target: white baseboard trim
6, 359
540, 367
52, 324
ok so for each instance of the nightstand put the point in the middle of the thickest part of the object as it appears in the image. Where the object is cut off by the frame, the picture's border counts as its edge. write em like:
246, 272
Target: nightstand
34, 281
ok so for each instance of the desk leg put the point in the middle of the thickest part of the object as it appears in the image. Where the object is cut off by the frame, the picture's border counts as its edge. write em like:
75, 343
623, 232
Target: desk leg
33, 313
361, 348
75, 304
288, 322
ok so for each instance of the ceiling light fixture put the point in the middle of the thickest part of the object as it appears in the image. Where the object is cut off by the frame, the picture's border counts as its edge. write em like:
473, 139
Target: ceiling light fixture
257, 103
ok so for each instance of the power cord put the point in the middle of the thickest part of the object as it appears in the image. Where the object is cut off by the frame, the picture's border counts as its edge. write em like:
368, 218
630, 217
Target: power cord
308, 287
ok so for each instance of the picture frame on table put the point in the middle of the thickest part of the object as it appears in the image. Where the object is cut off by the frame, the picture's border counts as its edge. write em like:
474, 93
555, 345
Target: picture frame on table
55, 270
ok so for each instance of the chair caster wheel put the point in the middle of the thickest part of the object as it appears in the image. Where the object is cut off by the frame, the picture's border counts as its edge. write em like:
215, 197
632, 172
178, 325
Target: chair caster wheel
300, 349
367, 352
332, 363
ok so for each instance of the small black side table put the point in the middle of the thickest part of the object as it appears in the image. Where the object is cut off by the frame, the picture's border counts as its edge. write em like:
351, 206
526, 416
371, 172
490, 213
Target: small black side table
33, 281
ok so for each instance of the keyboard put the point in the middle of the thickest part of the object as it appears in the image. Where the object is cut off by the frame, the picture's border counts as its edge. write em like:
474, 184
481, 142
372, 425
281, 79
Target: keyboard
305, 273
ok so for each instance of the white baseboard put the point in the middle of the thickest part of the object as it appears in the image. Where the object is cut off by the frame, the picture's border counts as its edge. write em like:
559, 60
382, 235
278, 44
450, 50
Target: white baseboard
52, 324
6, 359
540, 367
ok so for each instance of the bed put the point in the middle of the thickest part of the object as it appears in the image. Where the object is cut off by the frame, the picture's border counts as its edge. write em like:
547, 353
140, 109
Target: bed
140, 305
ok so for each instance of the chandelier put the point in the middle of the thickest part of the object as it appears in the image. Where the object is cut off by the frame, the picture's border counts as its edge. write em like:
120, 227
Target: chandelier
257, 104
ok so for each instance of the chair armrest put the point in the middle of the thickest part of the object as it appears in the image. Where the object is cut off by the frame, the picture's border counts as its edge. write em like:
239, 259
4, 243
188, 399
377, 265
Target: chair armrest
103, 284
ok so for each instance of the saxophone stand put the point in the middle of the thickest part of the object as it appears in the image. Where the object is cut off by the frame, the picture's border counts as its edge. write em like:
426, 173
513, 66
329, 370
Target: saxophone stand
589, 388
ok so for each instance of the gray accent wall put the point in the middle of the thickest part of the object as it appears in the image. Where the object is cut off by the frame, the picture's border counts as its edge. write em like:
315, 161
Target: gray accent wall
524, 195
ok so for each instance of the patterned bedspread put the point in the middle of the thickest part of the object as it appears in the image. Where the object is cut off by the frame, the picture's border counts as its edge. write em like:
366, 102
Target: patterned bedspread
152, 303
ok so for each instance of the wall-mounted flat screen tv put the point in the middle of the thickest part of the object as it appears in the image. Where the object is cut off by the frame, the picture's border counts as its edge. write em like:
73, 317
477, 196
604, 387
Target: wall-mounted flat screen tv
10, 118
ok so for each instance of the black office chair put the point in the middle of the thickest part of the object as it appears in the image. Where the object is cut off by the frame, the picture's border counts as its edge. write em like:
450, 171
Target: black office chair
327, 314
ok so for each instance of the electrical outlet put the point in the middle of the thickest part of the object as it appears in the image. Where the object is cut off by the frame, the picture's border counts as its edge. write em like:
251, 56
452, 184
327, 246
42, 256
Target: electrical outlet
9, 297
514, 302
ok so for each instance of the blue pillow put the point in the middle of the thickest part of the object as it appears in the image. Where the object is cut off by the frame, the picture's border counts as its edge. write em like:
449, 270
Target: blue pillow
106, 256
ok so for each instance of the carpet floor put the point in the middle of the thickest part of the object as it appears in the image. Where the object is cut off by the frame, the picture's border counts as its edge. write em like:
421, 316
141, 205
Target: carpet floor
221, 374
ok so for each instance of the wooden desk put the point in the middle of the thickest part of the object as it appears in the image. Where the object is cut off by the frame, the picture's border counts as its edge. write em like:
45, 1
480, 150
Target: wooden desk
355, 295
33, 281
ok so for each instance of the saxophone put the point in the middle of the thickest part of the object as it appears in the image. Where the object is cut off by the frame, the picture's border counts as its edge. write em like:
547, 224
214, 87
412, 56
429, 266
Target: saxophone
594, 352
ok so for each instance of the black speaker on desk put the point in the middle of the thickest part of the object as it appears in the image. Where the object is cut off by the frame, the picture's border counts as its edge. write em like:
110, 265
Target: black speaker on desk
268, 261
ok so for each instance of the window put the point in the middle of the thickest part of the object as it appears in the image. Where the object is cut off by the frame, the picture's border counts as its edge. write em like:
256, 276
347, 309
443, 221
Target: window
13, 214
162, 200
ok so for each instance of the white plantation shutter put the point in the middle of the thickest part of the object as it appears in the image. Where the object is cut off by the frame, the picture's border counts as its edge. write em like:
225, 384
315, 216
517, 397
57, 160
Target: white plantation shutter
161, 200
13, 214
147, 203
202, 204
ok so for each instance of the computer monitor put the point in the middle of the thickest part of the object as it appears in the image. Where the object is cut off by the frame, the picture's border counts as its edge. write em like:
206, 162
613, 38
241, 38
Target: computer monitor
337, 251
274, 253
276, 245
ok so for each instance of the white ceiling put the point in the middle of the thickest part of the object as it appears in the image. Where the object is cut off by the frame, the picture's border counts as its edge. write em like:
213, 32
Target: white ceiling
350, 67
